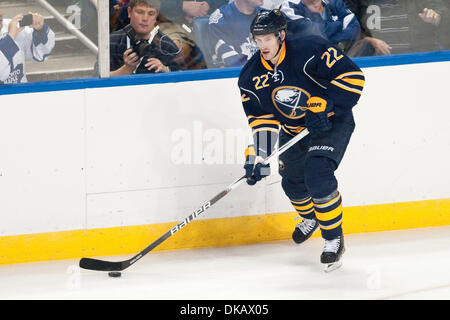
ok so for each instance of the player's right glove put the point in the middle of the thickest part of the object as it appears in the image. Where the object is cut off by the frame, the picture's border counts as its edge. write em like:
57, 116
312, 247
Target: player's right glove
255, 170
316, 117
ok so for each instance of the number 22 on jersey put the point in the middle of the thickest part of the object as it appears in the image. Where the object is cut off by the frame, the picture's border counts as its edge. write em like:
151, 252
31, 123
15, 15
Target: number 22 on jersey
332, 56
261, 81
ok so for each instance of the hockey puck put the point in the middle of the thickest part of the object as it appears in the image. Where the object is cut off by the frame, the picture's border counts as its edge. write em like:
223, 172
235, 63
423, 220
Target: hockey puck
114, 274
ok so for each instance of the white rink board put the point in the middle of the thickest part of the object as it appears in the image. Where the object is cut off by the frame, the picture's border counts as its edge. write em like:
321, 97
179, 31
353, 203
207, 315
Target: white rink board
42, 159
103, 157
400, 148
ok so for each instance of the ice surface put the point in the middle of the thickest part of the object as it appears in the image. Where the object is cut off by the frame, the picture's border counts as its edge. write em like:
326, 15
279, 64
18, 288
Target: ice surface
407, 264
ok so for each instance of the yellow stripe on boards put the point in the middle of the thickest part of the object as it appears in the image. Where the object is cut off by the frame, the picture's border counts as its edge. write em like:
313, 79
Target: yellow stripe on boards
213, 232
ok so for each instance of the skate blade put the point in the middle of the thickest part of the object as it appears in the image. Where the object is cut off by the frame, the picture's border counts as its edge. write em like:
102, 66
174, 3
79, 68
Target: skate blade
332, 266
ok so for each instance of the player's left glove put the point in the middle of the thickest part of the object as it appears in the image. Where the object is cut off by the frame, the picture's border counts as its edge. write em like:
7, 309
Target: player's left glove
255, 170
316, 117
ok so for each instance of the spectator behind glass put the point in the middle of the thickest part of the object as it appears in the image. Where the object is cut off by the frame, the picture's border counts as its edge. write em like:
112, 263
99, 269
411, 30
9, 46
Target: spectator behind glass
190, 57
401, 26
444, 37
34, 42
272, 4
228, 37
183, 12
175, 23
161, 55
118, 14
330, 19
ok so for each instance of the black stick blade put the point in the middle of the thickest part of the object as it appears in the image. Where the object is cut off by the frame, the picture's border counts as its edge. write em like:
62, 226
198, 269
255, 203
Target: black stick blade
100, 265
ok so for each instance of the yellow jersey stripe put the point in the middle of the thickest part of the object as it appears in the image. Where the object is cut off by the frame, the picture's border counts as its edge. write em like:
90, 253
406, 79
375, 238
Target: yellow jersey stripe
353, 73
285, 130
266, 116
260, 122
355, 82
337, 84
292, 130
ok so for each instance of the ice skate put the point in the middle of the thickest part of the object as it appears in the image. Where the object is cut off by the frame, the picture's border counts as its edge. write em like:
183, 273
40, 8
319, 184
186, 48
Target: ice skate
332, 253
304, 230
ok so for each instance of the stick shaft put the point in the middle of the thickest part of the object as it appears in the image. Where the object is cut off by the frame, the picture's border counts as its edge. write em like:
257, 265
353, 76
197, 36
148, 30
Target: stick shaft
101, 265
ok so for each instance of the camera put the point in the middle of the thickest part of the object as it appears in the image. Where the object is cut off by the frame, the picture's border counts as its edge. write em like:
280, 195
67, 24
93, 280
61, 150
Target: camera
159, 47
140, 46
26, 21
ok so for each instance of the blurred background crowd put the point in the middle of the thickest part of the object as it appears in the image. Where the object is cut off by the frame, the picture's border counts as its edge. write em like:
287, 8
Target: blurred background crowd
149, 36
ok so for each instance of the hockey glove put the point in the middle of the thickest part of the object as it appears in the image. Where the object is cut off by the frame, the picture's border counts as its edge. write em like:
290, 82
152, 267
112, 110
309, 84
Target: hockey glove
316, 117
255, 170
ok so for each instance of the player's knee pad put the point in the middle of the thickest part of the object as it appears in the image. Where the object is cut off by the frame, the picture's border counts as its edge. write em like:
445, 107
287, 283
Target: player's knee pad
319, 176
294, 188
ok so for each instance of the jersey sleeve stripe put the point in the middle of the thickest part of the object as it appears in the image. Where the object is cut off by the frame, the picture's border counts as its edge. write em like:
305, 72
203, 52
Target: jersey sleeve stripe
356, 82
353, 73
266, 116
264, 122
344, 87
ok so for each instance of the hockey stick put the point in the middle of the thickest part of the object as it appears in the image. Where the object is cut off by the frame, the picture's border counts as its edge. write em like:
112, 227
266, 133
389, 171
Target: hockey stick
101, 265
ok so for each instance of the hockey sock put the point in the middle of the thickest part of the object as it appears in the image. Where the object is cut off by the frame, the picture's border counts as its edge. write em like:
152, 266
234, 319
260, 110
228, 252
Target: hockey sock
328, 211
305, 207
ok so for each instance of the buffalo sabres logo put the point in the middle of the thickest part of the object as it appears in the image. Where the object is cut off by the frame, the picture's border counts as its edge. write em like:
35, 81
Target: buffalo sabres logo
277, 76
288, 100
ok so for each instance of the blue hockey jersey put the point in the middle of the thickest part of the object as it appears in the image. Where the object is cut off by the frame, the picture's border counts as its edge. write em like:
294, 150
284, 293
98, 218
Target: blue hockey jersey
228, 37
29, 44
273, 96
336, 24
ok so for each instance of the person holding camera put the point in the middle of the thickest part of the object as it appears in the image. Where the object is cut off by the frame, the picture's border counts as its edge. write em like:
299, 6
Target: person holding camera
141, 47
23, 37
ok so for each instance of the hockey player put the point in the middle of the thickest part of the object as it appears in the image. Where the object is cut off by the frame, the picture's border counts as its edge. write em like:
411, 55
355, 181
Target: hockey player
289, 85
34, 42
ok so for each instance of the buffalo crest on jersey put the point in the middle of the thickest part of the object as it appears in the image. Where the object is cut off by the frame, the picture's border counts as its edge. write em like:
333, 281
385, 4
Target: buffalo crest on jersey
289, 99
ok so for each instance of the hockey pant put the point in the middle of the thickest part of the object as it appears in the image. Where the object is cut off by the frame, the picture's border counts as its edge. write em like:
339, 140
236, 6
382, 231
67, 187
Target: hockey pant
308, 179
